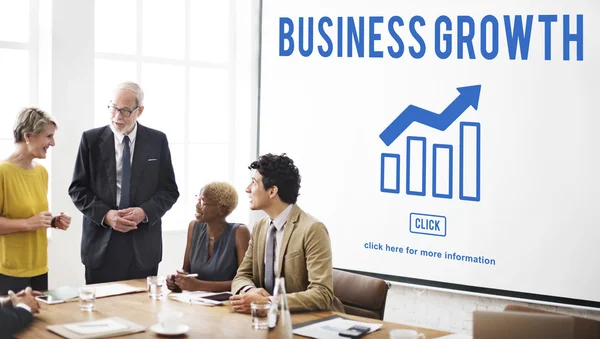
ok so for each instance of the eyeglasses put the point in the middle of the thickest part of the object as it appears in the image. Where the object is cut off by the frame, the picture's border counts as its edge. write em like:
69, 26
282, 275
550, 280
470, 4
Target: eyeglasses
201, 201
126, 112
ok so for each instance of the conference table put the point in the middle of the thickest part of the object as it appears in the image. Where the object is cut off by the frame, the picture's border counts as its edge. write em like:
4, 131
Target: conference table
204, 321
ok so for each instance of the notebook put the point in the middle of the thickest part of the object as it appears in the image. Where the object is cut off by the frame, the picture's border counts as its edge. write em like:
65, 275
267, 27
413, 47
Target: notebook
104, 328
68, 293
329, 327
98, 326
110, 290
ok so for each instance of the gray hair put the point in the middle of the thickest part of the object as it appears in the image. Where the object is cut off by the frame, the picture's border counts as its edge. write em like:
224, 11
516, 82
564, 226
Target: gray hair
31, 120
135, 88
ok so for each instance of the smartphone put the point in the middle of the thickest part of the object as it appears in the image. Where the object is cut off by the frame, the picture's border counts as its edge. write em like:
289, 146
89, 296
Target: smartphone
47, 299
355, 331
223, 296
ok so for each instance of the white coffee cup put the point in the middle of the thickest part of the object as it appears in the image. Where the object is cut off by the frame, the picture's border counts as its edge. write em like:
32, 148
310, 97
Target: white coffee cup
406, 334
169, 320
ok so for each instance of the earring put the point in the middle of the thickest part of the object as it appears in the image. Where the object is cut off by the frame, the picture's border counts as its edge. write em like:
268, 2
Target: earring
27, 142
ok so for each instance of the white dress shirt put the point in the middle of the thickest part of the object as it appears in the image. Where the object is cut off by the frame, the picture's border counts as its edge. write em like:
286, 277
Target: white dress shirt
279, 223
4, 301
24, 306
119, 154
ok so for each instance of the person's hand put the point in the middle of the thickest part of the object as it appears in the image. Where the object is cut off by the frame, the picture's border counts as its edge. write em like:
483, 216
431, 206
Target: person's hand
34, 292
198, 214
135, 214
62, 221
5, 302
171, 283
241, 302
40, 220
186, 283
12, 301
117, 223
259, 291
27, 297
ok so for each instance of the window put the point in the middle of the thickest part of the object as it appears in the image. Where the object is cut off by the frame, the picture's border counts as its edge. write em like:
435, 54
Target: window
17, 66
25, 77
182, 56
25, 37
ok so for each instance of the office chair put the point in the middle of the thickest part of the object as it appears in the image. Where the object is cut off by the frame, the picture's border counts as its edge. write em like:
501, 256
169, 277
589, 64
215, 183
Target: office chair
361, 295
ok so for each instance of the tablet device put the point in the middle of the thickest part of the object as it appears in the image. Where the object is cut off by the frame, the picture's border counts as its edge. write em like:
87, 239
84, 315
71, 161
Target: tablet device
48, 299
221, 296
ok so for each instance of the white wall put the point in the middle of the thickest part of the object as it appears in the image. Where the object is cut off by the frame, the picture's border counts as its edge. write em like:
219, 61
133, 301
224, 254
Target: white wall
72, 105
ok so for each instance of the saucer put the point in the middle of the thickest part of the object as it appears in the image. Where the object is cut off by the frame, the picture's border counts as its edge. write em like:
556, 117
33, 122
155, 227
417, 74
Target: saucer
157, 328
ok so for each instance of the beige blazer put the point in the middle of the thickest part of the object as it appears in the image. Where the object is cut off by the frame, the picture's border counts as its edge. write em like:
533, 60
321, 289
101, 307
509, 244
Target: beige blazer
304, 262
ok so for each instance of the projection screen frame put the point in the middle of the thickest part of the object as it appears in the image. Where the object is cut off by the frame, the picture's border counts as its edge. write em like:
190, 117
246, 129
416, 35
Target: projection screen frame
423, 283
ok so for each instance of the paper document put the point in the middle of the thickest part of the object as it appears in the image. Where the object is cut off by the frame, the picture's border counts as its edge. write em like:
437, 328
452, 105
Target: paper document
96, 327
330, 328
195, 298
457, 336
116, 289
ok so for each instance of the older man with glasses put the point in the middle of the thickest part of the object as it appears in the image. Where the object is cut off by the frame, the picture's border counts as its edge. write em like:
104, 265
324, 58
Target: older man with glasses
123, 183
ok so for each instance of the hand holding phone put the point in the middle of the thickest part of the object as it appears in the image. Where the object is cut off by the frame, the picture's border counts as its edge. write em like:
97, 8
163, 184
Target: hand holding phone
355, 331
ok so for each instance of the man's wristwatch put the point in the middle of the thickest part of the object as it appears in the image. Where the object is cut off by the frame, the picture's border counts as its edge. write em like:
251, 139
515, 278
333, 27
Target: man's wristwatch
53, 223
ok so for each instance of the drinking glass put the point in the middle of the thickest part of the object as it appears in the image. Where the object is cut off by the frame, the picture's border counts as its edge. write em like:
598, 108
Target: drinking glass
87, 298
155, 284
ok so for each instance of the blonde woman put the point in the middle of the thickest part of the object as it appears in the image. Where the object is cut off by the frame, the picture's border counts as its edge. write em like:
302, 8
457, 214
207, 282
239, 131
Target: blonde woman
24, 215
215, 248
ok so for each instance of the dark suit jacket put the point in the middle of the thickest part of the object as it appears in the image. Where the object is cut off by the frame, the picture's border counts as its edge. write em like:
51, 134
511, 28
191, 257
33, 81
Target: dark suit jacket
94, 192
12, 320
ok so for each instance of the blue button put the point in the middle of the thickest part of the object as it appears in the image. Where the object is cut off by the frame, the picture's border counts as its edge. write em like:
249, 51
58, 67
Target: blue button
428, 224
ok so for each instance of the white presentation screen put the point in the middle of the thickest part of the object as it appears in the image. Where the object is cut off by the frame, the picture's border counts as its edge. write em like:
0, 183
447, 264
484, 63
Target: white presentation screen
448, 143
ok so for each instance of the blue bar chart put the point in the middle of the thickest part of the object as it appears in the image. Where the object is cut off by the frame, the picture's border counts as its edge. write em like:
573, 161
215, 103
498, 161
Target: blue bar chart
441, 181
416, 160
470, 161
442, 167
390, 178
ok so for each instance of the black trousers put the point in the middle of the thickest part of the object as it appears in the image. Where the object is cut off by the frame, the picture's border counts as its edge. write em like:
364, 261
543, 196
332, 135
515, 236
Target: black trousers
15, 284
119, 262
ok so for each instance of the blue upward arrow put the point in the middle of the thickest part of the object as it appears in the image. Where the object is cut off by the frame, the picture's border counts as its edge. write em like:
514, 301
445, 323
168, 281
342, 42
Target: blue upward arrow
469, 96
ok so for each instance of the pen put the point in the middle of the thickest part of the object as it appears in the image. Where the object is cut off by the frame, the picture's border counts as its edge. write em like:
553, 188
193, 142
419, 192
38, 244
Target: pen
193, 275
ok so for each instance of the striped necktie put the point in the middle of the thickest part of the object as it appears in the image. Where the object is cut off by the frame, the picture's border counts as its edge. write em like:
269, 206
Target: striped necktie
125, 175
270, 259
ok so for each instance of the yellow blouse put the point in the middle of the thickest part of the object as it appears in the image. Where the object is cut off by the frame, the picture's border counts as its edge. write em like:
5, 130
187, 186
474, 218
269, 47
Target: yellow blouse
23, 194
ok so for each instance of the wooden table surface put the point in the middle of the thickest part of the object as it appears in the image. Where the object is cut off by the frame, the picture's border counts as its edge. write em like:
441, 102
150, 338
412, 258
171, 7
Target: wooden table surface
205, 322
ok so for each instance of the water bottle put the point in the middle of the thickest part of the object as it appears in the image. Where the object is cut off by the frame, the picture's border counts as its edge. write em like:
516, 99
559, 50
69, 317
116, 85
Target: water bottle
280, 320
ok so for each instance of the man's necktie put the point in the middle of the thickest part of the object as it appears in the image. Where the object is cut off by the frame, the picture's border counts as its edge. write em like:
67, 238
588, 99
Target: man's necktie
270, 260
125, 175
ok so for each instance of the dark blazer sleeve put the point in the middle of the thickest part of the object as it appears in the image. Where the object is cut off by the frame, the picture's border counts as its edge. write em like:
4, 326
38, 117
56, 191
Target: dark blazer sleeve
167, 192
13, 319
80, 189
